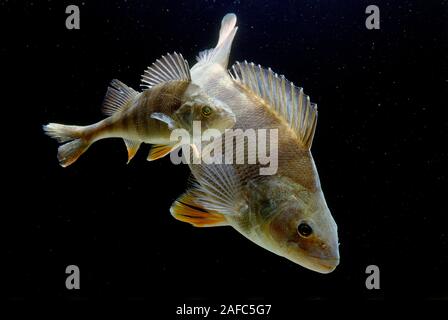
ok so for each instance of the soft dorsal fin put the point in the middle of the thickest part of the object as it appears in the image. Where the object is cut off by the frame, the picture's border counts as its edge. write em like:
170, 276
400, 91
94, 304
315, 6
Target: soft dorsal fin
117, 97
168, 68
220, 54
282, 95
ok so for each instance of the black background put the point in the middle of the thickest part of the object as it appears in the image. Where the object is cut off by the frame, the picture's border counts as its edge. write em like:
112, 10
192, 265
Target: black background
380, 149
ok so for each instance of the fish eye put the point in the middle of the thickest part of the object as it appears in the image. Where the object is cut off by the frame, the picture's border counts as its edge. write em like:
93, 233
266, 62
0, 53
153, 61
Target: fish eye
304, 230
206, 111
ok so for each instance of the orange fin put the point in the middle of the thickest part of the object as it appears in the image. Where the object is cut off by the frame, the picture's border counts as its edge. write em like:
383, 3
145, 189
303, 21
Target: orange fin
132, 147
160, 150
187, 210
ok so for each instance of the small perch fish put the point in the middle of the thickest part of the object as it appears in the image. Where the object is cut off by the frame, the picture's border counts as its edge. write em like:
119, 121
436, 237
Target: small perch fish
170, 101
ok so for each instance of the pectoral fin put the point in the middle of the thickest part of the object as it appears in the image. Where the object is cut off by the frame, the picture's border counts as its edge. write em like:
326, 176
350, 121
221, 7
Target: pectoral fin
186, 209
160, 150
218, 188
132, 147
164, 118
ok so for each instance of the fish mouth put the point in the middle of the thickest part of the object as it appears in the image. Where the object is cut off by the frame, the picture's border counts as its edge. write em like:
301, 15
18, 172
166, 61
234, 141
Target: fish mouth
319, 263
230, 120
227, 123
325, 266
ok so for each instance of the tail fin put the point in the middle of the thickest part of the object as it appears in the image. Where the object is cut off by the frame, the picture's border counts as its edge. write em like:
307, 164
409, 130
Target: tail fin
220, 54
70, 151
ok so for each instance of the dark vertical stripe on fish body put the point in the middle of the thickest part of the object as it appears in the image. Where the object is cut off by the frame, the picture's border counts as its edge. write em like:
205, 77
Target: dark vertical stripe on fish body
132, 119
137, 120
165, 98
170, 96
148, 108
124, 123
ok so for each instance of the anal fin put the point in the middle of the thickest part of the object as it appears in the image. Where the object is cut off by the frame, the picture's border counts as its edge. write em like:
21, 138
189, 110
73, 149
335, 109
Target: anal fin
186, 209
132, 146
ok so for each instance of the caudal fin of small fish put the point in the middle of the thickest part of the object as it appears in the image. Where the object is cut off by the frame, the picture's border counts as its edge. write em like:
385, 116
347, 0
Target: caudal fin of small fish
75, 145
220, 54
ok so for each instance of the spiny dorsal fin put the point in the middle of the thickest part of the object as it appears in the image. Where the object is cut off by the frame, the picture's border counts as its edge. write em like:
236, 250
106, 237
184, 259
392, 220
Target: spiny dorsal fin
117, 97
168, 68
282, 95
186, 209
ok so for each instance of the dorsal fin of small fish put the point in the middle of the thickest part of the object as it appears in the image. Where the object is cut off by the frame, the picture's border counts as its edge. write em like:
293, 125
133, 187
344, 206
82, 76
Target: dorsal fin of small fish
117, 97
283, 96
220, 54
169, 67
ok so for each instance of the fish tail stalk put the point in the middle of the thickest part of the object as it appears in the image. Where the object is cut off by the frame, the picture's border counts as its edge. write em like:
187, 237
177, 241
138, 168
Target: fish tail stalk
75, 140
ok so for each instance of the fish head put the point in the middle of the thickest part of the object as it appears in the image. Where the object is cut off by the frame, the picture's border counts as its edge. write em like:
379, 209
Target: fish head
210, 112
295, 223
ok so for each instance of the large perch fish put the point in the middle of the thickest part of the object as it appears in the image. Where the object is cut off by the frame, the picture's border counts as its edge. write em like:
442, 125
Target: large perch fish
170, 101
285, 213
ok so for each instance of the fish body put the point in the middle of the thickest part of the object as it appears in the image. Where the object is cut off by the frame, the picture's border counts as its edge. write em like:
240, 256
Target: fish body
171, 101
285, 213
134, 122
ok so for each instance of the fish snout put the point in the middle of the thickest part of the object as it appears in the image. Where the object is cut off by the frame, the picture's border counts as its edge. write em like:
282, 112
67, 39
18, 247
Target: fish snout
321, 254
328, 258
231, 120
225, 121
324, 265
320, 249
